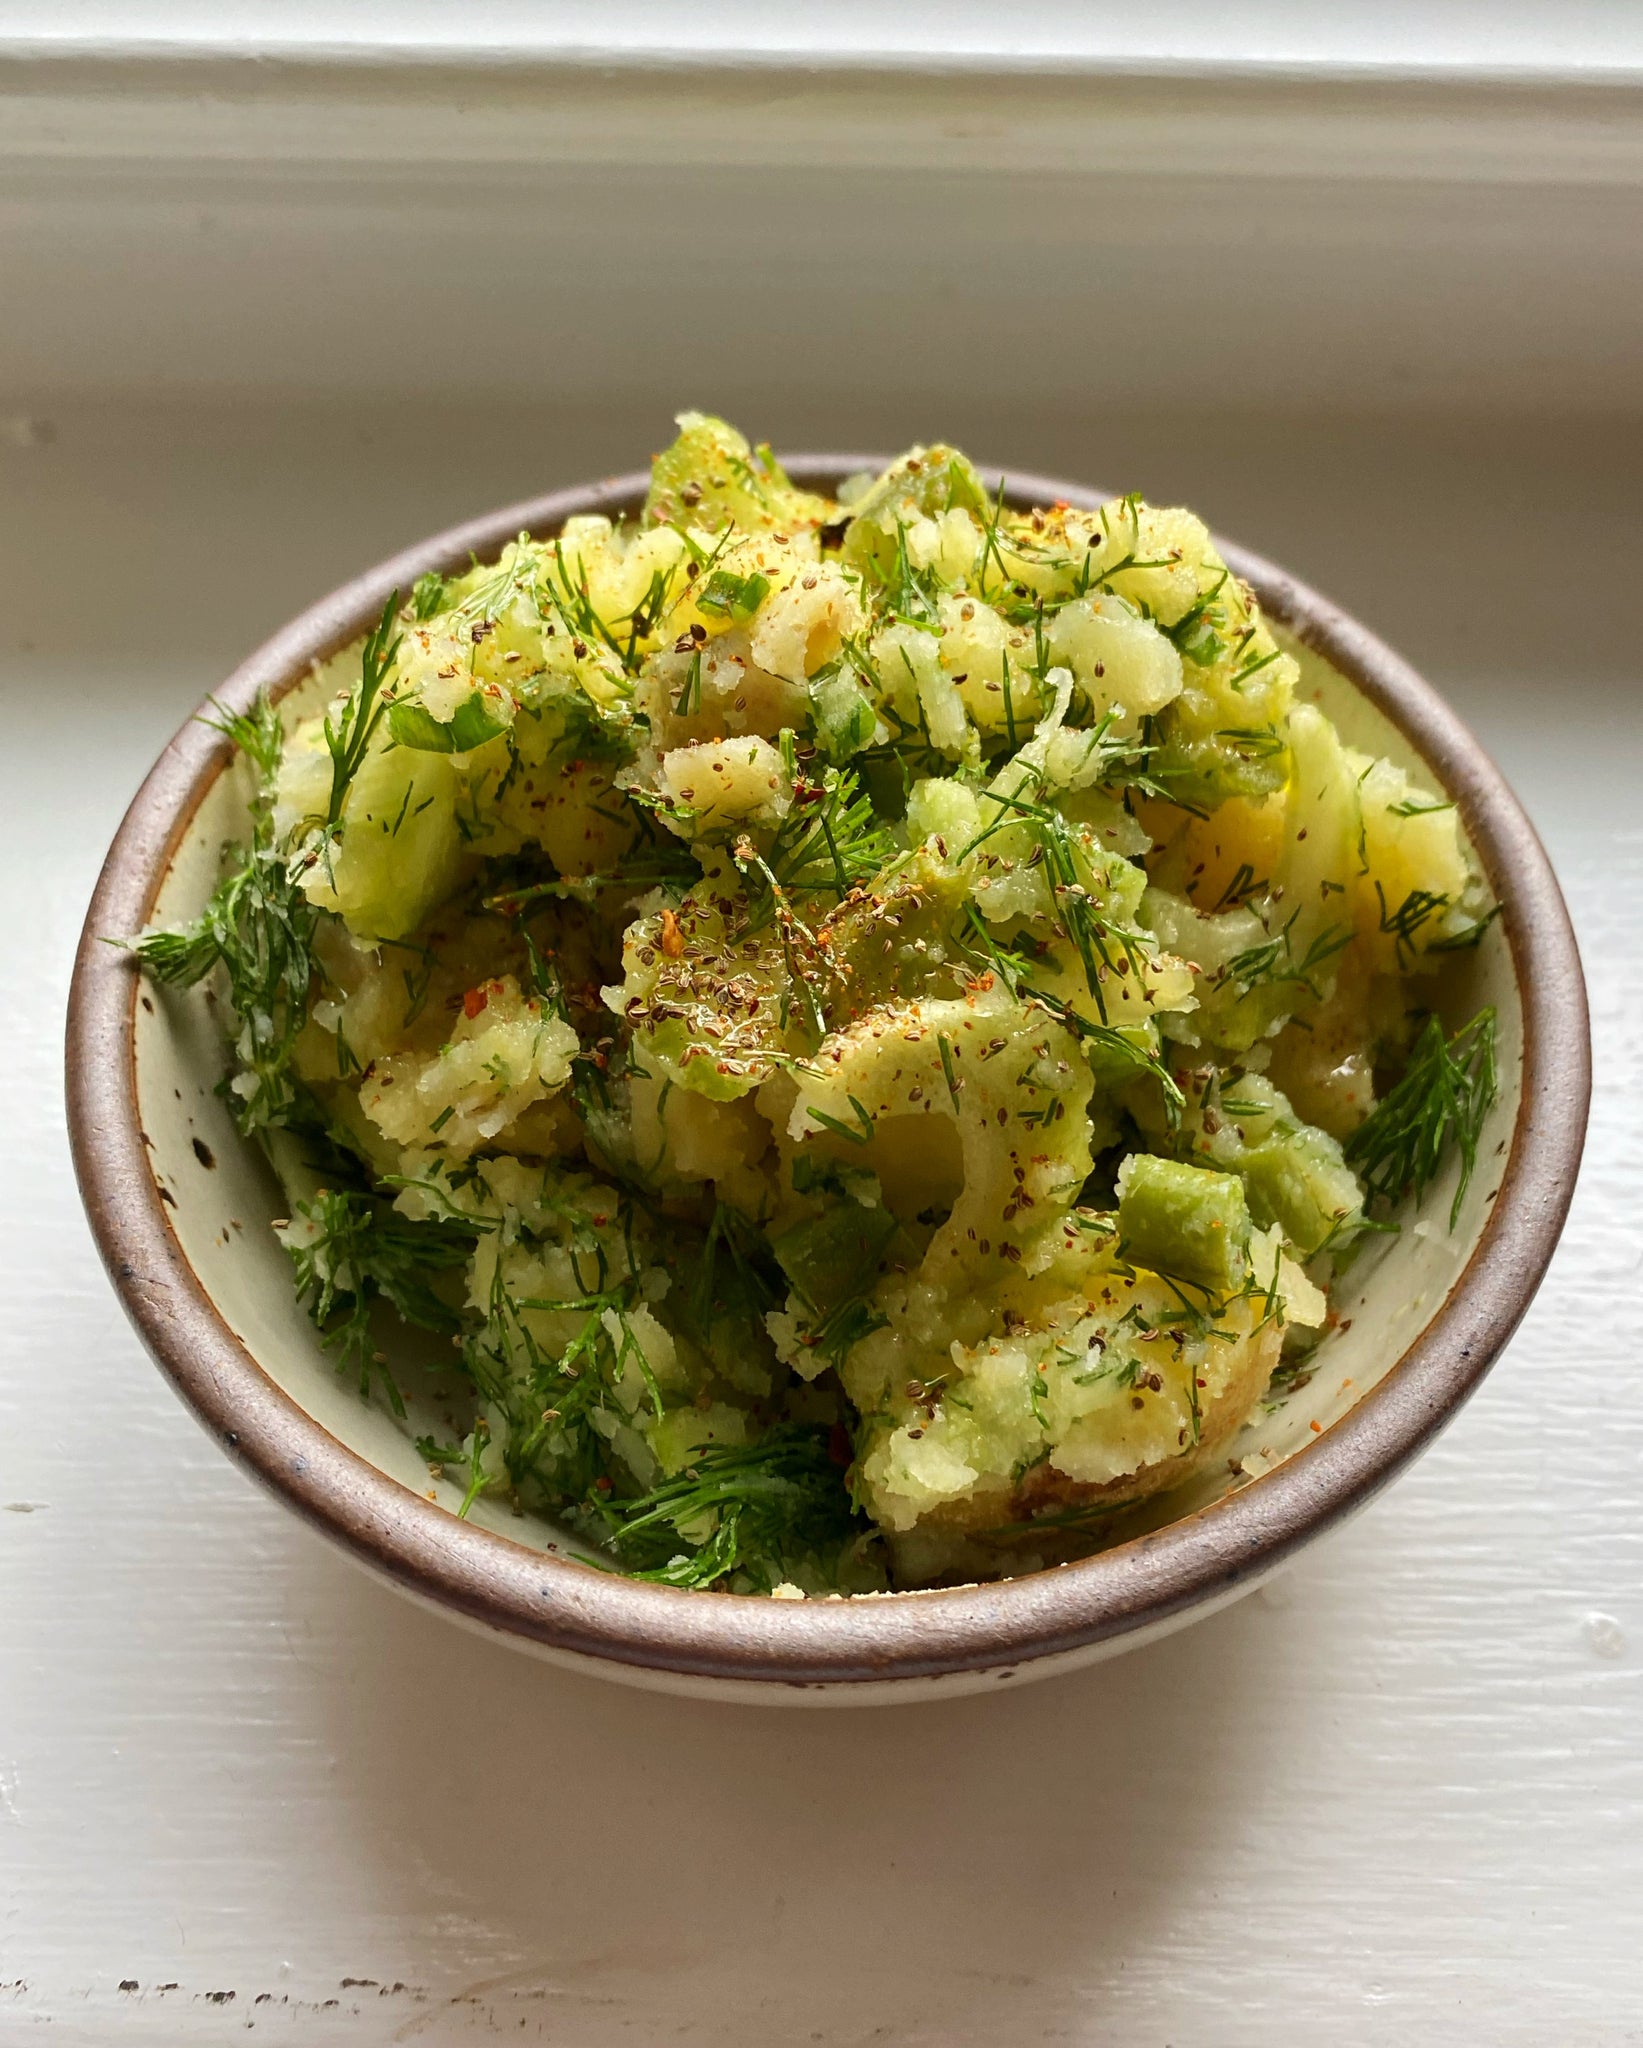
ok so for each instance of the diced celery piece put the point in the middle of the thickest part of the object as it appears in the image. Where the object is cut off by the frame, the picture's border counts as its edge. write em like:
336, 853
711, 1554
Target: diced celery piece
834, 1256
1183, 1220
1299, 1179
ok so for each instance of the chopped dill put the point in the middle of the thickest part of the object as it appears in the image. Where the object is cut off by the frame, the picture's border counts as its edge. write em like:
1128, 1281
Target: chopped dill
1118, 1046
761, 1505
1275, 961
1445, 1093
349, 1251
829, 843
734, 1271
1244, 884
1468, 936
1103, 946
1404, 924
260, 927
349, 734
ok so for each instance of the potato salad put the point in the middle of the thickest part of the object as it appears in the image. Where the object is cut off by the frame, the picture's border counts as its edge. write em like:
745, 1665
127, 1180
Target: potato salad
863, 1027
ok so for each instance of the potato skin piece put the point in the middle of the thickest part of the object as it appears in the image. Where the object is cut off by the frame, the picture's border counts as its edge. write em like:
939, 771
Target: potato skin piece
1044, 1489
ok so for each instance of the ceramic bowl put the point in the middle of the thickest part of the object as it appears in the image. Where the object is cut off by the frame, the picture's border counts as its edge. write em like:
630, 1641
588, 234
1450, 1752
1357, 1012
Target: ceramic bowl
181, 1208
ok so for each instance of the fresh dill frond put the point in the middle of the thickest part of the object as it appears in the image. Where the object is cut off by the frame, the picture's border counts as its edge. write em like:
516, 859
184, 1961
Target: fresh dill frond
661, 867
467, 1457
604, 1344
181, 955
257, 733
1468, 936
1254, 742
858, 1133
1238, 891
1404, 924
1102, 944
514, 578
689, 700
910, 594
990, 553
843, 1328
349, 1251
1152, 775
831, 842
1446, 1092
1197, 633
733, 1508
260, 927
735, 1275
549, 1397
575, 604
349, 734
1084, 1515
1115, 1045
1289, 1376
1275, 961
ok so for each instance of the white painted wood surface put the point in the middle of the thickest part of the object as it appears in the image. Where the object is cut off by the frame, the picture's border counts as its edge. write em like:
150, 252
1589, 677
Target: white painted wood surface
1397, 1798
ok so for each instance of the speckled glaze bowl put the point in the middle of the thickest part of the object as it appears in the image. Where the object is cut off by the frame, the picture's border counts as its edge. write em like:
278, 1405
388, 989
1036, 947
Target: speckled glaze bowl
181, 1208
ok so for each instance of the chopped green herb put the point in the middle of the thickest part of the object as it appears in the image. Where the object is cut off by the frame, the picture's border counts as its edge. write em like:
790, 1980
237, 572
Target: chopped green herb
349, 734
762, 1506
260, 926
350, 1251
1446, 1091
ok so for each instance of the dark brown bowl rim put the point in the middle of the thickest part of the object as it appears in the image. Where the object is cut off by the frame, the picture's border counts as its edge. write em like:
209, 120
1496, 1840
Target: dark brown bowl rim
572, 1608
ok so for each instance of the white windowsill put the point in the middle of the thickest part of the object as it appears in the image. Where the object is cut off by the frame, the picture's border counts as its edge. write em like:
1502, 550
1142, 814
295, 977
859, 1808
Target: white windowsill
1517, 36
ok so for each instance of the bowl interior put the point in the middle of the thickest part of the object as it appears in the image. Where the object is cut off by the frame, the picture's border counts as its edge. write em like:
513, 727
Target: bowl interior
222, 1199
